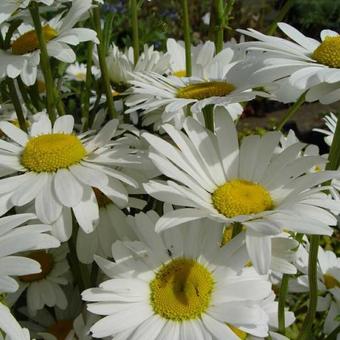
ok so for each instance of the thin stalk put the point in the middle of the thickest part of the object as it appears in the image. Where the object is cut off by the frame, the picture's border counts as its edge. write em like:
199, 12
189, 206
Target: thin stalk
44, 62
333, 164
313, 288
237, 228
88, 82
292, 110
16, 103
135, 32
187, 37
280, 16
79, 270
220, 24
25, 96
208, 113
282, 301
103, 65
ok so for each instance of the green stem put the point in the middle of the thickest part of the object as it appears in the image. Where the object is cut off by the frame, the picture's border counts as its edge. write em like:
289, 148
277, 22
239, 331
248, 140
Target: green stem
280, 16
208, 113
220, 24
292, 110
16, 103
334, 153
313, 288
79, 270
135, 33
282, 301
103, 65
25, 96
44, 62
88, 82
187, 37
237, 228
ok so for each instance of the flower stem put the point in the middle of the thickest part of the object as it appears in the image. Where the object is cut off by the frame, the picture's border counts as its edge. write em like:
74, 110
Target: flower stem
208, 113
88, 82
334, 153
313, 288
280, 16
79, 270
282, 300
103, 64
220, 24
135, 33
187, 37
16, 103
292, 110
44, 62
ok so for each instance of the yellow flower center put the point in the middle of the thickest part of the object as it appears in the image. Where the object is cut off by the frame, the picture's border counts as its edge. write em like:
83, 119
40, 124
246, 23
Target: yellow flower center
80, 76
240, 197
61, 329
242, 335
331, 281
205, 90
102, 199
51, 152
46, 262
181, 290
29, 42
328, 52
180, 74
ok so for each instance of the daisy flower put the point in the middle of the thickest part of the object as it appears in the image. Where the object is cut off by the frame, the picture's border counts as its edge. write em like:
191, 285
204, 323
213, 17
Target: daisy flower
121, 64
308, 63
211, 176
9, 7
77, 72
16, 238
57, 170
112, 226
224, 84
10, 326
330, 121
328, 283
44, 288
56, 324
24, 55
180, 286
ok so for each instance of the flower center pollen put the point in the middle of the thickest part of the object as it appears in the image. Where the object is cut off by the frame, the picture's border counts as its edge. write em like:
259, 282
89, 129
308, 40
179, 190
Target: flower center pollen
241, 197
51, 152
181, 290
46, 262
180, 73
205, 90
29, 42
328, 52
331, 281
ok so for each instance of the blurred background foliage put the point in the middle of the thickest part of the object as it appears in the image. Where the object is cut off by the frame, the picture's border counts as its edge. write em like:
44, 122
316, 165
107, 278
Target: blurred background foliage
161, 19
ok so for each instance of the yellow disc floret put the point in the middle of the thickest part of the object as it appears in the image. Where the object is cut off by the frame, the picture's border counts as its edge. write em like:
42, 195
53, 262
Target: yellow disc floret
242, 335
328, 52
240, 197
51, 152
205, 90
180, 73
29, 42
331, 281
181, 290
46, 262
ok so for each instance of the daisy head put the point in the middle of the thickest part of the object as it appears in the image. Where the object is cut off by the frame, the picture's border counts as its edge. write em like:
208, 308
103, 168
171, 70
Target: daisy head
57, 169
330, 122
23, 55
181, 284
211, 175
77, 72
44, 288
309, 64
19, 234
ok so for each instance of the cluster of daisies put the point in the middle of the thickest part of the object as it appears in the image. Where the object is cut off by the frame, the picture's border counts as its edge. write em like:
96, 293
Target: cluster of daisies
159, 223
